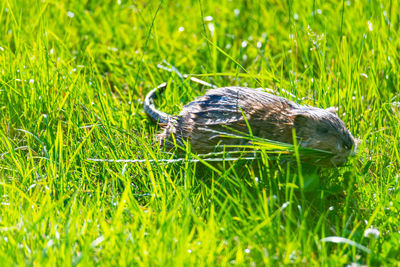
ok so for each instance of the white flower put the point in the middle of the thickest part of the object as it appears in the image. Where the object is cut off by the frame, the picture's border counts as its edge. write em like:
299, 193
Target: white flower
370, 27
371, 232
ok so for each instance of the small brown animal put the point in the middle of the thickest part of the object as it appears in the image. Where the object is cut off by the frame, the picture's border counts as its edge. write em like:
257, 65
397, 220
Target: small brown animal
270, 117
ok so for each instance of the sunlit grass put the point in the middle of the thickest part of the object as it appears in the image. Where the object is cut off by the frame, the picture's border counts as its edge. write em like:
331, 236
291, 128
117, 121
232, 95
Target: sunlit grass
73, 77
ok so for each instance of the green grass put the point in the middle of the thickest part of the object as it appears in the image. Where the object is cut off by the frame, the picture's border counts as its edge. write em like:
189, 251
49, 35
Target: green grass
73, 76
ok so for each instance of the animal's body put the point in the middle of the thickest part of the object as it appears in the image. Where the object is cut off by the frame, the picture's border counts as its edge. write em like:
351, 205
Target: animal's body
270, 117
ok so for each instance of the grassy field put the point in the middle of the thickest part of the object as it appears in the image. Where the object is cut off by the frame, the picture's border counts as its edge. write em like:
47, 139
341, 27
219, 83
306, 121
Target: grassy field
73, 76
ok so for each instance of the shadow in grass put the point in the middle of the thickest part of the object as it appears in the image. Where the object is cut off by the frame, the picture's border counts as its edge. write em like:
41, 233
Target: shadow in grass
267, 193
